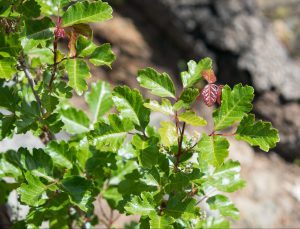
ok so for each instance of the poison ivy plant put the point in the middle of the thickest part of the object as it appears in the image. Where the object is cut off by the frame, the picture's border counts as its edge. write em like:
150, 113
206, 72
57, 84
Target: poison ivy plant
161, 173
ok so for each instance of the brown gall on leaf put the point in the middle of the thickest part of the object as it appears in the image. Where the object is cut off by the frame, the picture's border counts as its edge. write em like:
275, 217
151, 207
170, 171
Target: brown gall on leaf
209, 76
209, 94
219, 94
59, 32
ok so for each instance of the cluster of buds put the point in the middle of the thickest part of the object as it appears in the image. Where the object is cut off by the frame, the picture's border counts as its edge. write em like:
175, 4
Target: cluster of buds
59, 31
211, 93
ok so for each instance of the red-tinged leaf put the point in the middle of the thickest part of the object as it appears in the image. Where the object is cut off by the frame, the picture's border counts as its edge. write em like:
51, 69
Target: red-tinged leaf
72, 44
209, 94
210, 76
59, 32
219, 94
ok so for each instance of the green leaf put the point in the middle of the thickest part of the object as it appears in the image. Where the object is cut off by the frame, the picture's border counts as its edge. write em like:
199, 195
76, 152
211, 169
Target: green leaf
39, 163
213, 149
194, 73
7, 68
76, 121
180, 206
30, 114
60, 154
164, 222
110, 137
39, 29
214, 223
234, 106
80, 191
7, 125
100, 164
147, 150
9, 97
130, 104
84, 47
78, 72
5, 189
141, 205
31, 193
224, 205
226, 178
178, 181
189, 95
10, 44
99, 99
49, 102
86, 12
159, 84
102, 55
258, 133
168, 133
29, 8
192, 118
165, 106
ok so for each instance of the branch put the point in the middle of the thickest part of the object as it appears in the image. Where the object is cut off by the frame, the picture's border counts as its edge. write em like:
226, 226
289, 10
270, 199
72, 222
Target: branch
48, 135
31, 83
55, 43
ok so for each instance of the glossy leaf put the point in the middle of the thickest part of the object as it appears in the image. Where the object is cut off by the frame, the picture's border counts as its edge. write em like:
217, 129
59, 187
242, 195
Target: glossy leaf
141, 205
209, 76
7, 68
78, 72
180, 207
165, 107
258, 133
236, 103
224, 205
60, 154
189, 95
213, 149
32, 192
110, 137
99, 99
210, 94
76, 121
159, 84
192, 118
85, 12
80, 191
226, 178
168, 133
130, 104
39, 29
102, 55
84, 47
194, 74
161, 222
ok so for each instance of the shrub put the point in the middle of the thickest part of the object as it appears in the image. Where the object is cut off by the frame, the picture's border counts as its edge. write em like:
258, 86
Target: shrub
160, 174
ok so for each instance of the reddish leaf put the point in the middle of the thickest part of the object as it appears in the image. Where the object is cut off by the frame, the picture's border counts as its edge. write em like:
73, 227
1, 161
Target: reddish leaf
210, 76
209, 94
59, 32
219, 94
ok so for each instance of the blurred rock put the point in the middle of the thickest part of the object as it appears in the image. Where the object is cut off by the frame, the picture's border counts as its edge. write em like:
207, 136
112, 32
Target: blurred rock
271, 198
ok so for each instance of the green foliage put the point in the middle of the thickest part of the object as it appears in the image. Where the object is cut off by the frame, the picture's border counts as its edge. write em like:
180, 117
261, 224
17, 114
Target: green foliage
257, 133
160, 174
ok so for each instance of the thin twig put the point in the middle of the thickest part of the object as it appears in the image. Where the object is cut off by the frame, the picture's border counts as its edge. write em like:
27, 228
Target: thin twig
23, 65
31, 83
55, 43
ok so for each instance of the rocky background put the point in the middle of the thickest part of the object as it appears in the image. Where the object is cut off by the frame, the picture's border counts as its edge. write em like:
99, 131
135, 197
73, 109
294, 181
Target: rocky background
255, 42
